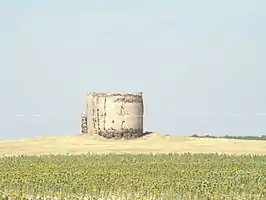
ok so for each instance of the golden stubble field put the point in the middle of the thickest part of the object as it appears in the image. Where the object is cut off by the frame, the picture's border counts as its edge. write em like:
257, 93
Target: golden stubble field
154, 143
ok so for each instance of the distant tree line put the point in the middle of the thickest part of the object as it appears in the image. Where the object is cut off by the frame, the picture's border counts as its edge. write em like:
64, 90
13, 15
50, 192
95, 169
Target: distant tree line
262, 137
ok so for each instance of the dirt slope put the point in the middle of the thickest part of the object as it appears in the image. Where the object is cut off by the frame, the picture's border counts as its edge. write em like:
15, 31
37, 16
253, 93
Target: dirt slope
153, 143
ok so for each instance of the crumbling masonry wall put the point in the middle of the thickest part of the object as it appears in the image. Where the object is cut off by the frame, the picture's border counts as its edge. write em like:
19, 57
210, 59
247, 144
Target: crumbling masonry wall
83, 123
115, 115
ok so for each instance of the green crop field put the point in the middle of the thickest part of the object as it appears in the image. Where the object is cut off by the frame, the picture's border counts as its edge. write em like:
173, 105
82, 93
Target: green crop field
112, 176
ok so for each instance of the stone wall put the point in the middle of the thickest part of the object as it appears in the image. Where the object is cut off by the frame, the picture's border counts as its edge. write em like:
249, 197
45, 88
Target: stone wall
115, 115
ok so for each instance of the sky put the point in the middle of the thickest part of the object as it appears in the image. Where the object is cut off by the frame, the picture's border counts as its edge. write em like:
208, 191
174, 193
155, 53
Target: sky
201, 65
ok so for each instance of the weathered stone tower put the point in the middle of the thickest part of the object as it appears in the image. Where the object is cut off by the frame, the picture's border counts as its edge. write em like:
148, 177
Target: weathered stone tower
115, 115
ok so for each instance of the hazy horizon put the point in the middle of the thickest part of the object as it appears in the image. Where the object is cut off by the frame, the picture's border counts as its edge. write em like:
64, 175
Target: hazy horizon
200, 64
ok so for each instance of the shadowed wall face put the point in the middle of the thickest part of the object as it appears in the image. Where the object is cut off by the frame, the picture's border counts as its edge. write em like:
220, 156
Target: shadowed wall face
115, 115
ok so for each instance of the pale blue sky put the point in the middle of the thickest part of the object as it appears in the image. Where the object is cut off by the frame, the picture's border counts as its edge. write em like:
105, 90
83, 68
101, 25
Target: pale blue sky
198, 63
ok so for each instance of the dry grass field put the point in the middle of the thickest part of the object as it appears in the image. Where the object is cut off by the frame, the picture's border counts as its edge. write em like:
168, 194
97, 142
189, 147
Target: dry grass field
154, 143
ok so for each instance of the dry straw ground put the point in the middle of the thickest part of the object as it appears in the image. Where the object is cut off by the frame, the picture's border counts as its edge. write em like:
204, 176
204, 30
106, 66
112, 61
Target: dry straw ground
154, 143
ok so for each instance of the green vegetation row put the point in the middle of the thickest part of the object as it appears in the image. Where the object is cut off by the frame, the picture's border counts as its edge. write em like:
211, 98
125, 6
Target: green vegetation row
173, 176
262, 137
